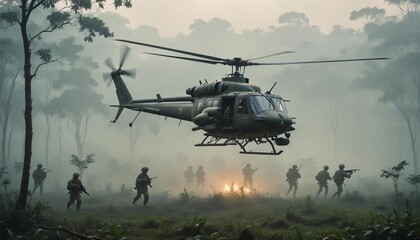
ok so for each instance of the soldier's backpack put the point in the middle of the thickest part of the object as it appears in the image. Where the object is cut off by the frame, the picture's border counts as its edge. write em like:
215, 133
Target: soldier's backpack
317, 177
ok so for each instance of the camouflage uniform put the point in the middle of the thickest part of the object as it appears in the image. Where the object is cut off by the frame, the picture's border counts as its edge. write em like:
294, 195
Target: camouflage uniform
39, 176
142, 181
322, 177
189, 176
248, 172
292, 176
200, 177
75, 188
338, 178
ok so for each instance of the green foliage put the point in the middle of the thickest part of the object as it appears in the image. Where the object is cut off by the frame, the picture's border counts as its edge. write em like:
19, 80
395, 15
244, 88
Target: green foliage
93, 26
58, 19
44, 54
82, 165
394, 172
186, 196
9, 17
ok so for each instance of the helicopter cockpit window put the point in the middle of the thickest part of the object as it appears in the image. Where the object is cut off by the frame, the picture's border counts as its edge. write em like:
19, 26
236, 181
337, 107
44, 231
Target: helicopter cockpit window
279, 104
243, 106
260, 103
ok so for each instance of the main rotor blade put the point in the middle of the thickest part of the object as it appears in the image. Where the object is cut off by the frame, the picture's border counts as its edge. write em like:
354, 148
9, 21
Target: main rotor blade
271, 55
322, 61
186, 58
124, 53
173, 50
129, 73
109, 63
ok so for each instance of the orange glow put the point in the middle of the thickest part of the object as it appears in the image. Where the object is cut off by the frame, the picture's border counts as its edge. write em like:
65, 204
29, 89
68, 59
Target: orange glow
234, 188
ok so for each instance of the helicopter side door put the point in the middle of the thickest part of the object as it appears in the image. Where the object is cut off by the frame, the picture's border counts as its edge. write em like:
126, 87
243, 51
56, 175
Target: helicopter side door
242, 112
228, 105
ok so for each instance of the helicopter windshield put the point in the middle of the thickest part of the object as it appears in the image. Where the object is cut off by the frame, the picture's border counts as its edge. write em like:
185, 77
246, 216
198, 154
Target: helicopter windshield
279, 104
260, 103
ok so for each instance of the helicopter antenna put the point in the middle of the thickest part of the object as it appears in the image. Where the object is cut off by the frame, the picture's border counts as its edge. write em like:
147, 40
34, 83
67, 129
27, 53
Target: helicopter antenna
271, 89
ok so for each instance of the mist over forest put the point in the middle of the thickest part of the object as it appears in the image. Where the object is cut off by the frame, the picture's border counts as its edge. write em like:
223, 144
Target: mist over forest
361, 114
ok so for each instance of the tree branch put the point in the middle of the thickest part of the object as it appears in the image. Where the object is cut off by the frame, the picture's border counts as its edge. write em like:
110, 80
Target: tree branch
44, 63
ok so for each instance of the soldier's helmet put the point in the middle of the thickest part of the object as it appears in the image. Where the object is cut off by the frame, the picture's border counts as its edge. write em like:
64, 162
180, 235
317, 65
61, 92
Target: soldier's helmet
189, 167
341, 166
75, 175
294, 166
326, 167
200, 167
248, 164
144, 169
39, 165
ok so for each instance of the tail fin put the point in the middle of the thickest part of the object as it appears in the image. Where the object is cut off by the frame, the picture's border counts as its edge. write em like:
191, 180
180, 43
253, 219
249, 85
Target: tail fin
123, 94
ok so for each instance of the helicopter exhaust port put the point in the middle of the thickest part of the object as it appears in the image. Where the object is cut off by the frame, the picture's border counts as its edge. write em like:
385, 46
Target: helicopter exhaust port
282, 141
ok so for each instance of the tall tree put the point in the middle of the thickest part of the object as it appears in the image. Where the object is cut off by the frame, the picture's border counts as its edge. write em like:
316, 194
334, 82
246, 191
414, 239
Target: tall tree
21, 12
77, 103
399, 81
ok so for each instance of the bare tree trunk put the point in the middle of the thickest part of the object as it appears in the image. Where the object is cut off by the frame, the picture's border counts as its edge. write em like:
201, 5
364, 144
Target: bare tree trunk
24, 185
47, 139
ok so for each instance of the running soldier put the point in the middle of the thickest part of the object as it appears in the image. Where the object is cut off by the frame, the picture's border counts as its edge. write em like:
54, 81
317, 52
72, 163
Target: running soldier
322, 177
39, 176
75, 188
200, 177
248, 172
292, 178
142, 181
338, 178
189, 176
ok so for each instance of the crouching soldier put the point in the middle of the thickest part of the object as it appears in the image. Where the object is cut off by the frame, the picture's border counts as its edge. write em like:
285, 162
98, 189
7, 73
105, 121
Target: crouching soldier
142, 181
75, 188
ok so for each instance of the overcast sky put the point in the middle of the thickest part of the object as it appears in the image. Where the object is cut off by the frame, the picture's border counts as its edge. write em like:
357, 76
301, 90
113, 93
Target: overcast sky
171, 17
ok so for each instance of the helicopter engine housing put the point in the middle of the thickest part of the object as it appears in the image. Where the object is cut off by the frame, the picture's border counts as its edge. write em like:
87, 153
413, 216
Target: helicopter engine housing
208, 116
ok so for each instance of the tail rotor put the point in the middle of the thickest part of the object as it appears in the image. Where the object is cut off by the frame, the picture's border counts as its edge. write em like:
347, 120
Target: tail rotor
107, 76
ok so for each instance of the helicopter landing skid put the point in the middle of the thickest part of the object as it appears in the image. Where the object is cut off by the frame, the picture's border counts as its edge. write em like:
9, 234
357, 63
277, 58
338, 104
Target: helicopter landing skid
244, 142
214, 141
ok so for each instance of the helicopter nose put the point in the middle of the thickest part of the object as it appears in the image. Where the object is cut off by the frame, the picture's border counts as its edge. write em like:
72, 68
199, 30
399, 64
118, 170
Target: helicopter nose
274, 120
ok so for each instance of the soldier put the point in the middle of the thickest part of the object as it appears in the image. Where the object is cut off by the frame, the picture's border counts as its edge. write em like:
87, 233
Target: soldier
189, 176
338, 178
248, 172
200, 177
75, 188
292, 176
39, 176
322, 177
142, 181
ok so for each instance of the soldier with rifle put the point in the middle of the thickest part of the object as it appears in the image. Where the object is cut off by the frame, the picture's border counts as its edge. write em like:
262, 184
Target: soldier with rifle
322, 177
292, 178
142, 182
75, 188
248, 172
339, 177
39, 176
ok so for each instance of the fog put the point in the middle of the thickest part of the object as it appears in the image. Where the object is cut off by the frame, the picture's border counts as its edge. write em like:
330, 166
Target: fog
368, 134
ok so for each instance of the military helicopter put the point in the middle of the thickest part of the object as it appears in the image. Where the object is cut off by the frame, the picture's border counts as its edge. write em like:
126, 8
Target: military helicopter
230, 112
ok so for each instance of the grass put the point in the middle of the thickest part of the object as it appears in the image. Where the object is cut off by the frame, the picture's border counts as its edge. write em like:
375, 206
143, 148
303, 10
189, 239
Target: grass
226, 216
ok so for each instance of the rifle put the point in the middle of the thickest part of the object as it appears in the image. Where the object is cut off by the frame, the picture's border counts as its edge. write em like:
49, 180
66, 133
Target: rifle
352, 170
84, 190
143, 180
299, 167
